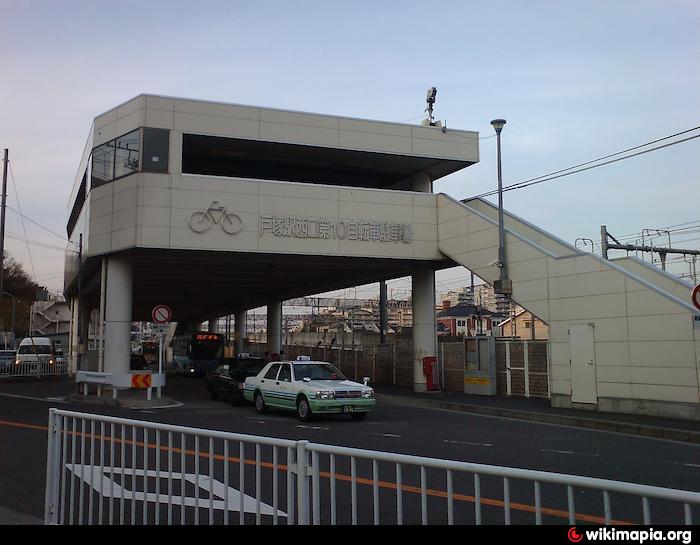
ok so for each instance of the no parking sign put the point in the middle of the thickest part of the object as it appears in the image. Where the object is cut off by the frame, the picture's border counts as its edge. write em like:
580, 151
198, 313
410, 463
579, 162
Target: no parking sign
161, 314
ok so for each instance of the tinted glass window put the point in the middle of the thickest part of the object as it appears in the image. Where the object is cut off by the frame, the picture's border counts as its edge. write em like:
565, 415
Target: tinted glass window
324, 371
156, 146
127, 154
35, 349
77, 205
272, 371
285, 373
222, 370
207, 346
103, 164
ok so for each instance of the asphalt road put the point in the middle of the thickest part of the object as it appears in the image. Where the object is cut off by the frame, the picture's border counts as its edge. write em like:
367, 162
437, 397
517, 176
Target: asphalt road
390, 428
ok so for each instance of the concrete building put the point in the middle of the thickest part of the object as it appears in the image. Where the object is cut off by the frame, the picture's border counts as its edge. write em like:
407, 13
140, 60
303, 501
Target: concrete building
216, 208
50, 317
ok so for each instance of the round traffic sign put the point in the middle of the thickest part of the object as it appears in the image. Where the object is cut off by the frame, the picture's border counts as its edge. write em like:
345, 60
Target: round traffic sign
161, 314
696, 296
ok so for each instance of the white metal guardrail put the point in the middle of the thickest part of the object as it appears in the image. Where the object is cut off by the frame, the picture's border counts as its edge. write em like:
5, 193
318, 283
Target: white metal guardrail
109, 470
11, 367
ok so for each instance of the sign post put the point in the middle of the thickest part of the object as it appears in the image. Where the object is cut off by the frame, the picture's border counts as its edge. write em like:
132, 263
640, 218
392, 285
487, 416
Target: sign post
161, 315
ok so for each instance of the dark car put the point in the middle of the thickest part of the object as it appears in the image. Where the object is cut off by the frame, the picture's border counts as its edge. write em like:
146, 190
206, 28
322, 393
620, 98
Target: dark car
139, 363
226, 381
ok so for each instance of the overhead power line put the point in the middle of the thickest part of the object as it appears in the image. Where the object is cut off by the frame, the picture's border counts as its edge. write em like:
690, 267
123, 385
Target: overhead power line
570, 170
23, 217
30, 220
24, 229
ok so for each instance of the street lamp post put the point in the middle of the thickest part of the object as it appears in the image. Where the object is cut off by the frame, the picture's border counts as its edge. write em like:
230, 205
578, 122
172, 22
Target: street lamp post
503, 285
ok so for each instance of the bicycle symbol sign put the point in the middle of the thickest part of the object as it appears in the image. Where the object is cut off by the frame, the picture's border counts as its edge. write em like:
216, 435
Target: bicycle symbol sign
202, 221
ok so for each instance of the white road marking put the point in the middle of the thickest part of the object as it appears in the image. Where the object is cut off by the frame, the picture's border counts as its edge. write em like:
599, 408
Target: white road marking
108, 488
385, 434
312, 427
467, 443
568, 452
683, 464
49, 399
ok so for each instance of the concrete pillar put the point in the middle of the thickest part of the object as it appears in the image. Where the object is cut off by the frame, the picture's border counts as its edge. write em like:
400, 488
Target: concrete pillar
73, 344
240, 331
117, 351
421, 181
274, 327
83, 332
424, 334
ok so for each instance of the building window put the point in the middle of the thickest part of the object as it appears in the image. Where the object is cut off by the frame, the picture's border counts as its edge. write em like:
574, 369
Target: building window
156, 149
527, 323
77, 205
122, 156
102, 164
127, 154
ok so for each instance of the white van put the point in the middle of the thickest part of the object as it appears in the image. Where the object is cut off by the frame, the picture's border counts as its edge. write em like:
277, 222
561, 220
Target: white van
35, 355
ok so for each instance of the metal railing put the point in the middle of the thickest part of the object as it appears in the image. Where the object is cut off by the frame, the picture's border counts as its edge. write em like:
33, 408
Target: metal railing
109, 470
23, 368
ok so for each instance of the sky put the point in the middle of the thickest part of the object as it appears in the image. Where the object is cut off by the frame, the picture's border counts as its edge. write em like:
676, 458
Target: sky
575, 80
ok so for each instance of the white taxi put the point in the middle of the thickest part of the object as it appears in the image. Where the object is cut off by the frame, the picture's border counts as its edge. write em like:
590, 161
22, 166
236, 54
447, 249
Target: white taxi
308, 387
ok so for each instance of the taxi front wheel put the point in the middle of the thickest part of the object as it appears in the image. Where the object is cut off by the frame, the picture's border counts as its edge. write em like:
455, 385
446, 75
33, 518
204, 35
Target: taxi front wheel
303, 409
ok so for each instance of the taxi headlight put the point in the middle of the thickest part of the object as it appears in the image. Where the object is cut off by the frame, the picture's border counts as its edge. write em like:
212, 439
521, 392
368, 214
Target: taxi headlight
325, 395
368, 394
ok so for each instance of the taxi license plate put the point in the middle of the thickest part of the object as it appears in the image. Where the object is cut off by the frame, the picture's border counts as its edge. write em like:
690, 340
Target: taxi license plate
348, 409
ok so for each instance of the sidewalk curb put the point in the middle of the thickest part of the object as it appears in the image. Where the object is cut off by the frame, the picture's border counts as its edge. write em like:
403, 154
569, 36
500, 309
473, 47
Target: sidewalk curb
155, 403
684, 436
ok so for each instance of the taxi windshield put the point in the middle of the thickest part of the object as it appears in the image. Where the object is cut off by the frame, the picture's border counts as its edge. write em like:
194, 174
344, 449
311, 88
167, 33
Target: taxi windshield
315, 371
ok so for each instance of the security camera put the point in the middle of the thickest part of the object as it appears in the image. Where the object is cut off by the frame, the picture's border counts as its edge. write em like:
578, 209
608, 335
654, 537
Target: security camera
493, 263
432, 92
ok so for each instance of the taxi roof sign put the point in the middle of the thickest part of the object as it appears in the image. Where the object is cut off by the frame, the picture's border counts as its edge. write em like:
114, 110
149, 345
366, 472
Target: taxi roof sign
303, 358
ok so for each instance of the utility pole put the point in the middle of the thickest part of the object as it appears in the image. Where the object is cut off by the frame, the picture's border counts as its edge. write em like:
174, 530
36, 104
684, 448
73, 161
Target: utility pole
383, 326
2, 223
604, 241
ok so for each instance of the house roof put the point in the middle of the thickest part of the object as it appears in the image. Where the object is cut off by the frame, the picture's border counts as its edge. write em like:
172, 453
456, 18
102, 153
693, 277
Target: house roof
464, 310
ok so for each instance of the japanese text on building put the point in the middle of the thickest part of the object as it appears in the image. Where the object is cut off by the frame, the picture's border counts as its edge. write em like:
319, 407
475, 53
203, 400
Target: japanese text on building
331, 228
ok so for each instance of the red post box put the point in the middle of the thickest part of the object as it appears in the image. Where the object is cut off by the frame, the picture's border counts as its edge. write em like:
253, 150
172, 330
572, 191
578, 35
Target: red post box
430, 372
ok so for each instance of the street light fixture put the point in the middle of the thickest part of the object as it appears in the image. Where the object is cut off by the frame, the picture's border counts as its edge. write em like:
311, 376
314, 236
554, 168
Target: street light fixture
503, 285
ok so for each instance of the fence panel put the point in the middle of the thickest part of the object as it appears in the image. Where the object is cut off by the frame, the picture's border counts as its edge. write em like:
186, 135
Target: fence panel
105, 470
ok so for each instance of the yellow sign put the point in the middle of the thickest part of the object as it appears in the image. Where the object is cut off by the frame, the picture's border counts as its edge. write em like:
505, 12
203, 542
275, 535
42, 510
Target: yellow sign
141, 381
476, 380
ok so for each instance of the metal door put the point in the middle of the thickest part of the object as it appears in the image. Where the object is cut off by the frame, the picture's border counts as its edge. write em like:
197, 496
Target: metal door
582, 358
